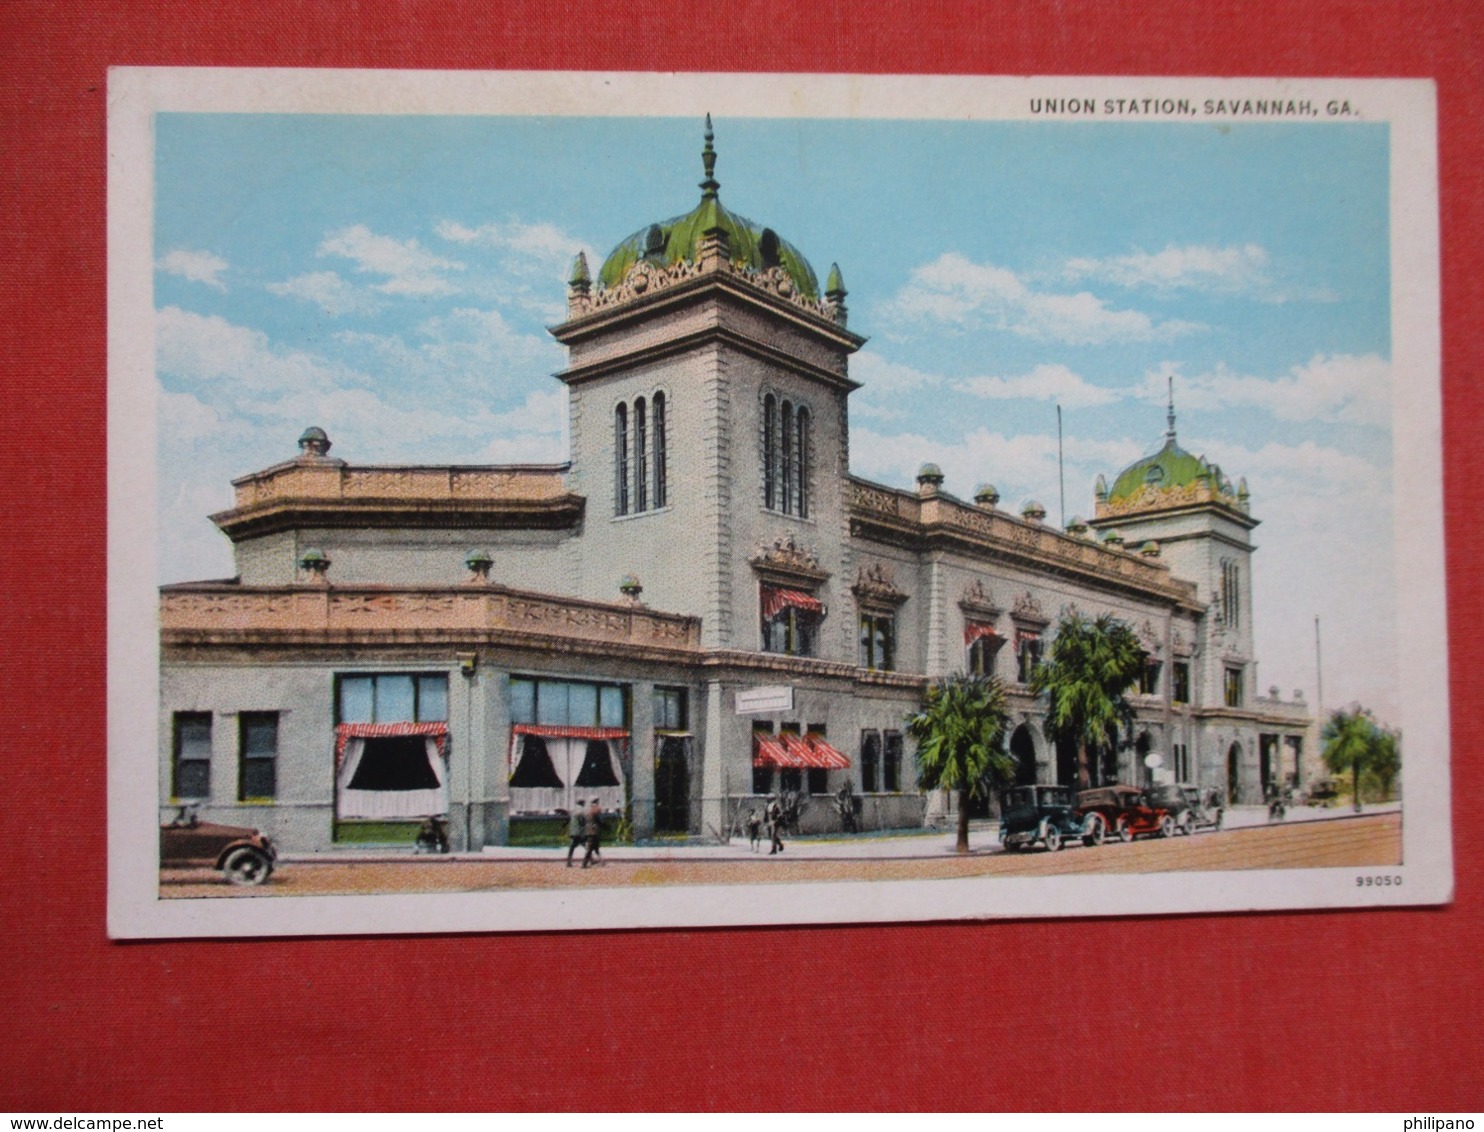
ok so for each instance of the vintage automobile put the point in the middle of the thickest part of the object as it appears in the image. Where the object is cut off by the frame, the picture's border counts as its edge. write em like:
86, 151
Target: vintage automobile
1323, 792
1044, 814
1125, 812
243, 855
1184, 804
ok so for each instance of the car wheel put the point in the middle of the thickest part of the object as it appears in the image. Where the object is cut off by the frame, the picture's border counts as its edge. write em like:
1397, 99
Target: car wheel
1122, 830
1095, 831
1220, 818
1053, 838
1167, 826
1187, 823
247, 866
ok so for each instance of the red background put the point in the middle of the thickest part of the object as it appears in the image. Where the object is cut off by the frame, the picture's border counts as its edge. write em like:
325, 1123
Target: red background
1372, 1010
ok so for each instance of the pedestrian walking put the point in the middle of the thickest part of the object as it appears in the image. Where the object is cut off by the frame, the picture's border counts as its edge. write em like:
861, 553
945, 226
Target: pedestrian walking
754, 830
593, 827
775, 826
576, 829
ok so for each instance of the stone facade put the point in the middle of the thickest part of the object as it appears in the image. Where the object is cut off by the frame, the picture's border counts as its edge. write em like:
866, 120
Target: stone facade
705, 550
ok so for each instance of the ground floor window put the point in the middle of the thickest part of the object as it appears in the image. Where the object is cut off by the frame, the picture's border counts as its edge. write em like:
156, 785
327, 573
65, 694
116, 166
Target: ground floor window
891, 761
257, 756
190, 771
870, 760
391, 771
1181, 754
672, 757
555, 768
391, 697
567, 703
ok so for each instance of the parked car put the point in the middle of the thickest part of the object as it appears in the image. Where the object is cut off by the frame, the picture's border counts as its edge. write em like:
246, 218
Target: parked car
1044, 815
1183, 801
1125, 812
1322, 792
243, 855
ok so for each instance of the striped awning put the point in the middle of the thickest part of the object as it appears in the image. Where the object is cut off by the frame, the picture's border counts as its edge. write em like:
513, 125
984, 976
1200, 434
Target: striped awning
561, 731
788, 750
777, 599
345, 732
974, 630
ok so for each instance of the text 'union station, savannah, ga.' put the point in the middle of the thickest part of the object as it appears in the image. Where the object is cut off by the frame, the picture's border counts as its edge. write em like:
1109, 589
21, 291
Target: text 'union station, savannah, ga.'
701, 609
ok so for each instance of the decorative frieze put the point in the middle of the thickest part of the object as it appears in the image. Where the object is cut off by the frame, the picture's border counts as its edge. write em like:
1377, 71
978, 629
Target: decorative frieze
876, 588
783, 560
977, 603
1026, 611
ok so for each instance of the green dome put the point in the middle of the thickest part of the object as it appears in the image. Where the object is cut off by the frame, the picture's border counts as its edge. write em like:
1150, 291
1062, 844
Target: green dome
679, 239
1170, 467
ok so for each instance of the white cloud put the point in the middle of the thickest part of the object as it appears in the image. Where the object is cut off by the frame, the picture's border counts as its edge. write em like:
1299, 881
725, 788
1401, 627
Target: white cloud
542, 243
197, 266
410, 268
208, 349
1343, 388
185, 418
326, 290
1046, 382
1195, 266
954, 290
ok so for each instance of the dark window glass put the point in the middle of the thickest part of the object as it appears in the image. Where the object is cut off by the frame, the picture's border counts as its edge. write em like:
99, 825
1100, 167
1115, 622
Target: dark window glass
982, 655
891, 743
661, 486
770, 452
802, 463
819, 780
621, 460
1180, 679
597, 766
191, 776
1233, 687
1027, 658
870, 760
877, 642
258, 755
669, 709
395, 763
534, 768
1149, 679
786, 452
790, 778
641, 457
790, 632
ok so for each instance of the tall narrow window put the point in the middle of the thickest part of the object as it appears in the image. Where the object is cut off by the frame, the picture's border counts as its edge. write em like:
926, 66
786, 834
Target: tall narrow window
1231, 593
1180, 684
1234, 687
870, 760
660, 486
621, 460
786, 454
641, 457
877, 641
891, 764
257, 755
191, 769
770, 452
801, 464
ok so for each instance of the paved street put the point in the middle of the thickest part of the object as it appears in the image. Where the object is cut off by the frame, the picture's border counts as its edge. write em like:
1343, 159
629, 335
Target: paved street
1309, 839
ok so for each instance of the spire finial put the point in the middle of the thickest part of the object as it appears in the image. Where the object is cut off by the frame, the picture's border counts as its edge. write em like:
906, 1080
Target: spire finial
708, 158
1170, 415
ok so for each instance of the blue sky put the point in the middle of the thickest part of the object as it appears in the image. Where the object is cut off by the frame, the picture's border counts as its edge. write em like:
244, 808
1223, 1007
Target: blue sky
390, 278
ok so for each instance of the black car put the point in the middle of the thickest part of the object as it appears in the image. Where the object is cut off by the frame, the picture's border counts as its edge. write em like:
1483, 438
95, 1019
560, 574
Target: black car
242, 855
1185, 805
1044, 814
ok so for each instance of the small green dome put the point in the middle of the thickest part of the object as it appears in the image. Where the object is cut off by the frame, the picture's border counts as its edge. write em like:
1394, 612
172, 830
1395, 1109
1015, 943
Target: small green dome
679, 239
1170, 469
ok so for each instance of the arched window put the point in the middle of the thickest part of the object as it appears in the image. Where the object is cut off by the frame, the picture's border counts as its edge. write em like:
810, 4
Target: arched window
786, 461
659, 450
770, 452
801, 463
641, 458
621, 460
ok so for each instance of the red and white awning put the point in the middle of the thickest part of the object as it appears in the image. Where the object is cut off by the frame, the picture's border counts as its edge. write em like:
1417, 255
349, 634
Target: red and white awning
561, 731
975, 630
777, 599
345, 732
788, 750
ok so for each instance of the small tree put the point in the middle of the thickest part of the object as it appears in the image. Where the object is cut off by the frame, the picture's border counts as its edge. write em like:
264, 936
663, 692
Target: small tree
1386, 760
1093, 662
959, 732
1349, 739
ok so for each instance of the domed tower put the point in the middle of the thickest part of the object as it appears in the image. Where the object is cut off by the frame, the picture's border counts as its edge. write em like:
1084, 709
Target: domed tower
1202, 526
708, 382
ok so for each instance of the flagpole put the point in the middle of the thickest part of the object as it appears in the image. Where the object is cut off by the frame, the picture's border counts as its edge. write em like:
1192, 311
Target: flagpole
1061, 474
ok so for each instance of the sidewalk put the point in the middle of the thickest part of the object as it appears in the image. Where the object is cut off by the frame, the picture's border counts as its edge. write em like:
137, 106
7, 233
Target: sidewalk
924, 844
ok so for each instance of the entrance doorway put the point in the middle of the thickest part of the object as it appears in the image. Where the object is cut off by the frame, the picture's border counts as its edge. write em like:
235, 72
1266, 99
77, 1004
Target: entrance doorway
1066, 765
1023, 748
672, 784
1234, 774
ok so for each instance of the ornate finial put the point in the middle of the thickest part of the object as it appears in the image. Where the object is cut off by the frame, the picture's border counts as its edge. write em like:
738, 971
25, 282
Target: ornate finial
835, 286
1170, 415
708, 158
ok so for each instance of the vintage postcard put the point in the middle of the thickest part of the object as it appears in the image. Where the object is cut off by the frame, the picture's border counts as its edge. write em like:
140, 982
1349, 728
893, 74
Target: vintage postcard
552, 500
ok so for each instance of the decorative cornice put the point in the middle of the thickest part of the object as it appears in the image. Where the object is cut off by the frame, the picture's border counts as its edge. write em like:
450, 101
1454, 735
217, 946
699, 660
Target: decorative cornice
876, 588
977, 602
785, 562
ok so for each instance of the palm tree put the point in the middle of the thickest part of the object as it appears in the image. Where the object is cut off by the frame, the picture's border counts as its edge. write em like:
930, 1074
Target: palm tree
1386, 760
959, 733
1092, 665
1349, 739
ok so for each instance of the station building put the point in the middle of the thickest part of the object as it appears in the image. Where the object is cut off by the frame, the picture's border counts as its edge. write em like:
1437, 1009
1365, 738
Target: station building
701, 608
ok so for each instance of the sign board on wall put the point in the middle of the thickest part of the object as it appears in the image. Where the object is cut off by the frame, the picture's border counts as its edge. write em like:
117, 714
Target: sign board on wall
755, 701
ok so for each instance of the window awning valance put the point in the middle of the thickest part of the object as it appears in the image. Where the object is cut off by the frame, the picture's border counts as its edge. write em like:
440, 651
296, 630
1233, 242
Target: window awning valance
776, 599
975, 630
345, 732
793, 751
562, 731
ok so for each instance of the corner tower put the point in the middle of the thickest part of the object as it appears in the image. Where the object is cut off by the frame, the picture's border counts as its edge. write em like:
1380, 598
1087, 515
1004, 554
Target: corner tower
1202, 525
708, 383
